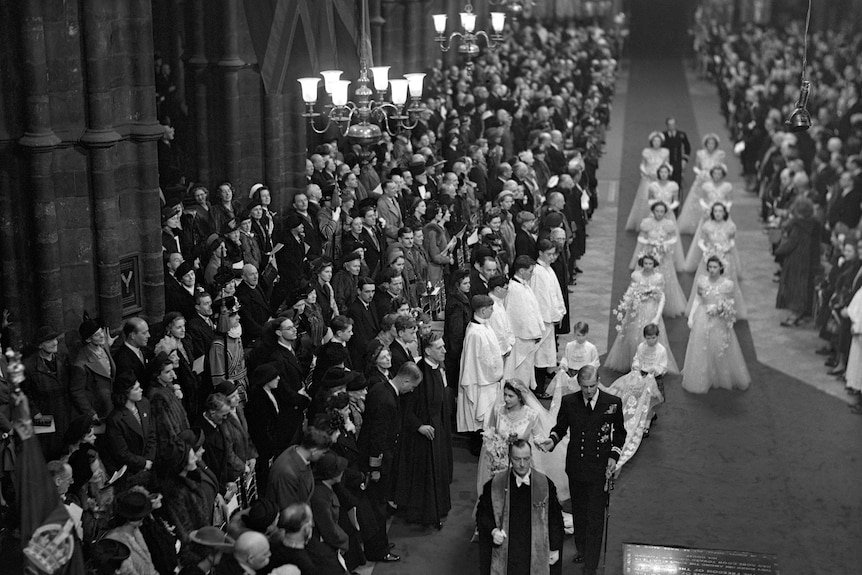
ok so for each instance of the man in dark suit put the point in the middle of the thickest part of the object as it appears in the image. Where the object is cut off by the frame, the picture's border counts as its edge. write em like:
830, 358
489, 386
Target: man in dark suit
290, 391
290, 478
525, 239
365, 322
484, 268
313, 237
680, 149
594, 420
133, 355
381, 432
390, 285
255, 310
200, 328
405, 333
372, 237
180, 289
219, 454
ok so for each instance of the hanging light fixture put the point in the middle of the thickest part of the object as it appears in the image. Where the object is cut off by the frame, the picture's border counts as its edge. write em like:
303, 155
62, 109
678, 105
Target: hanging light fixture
800, 119
514, 7
469, 38
360, 120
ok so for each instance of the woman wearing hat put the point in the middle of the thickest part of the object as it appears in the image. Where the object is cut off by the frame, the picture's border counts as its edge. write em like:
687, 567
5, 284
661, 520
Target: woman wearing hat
88, 490
169, 416
224, 207
178, 347
706, 158
187, 504
321, 272
378, 366
47, 386
260, 228
130, 434
438, 245
216, 252
130, 509
308, 315
271, 420
204, 550
251, 252
198, 207
651, 158
93, 371
799, 255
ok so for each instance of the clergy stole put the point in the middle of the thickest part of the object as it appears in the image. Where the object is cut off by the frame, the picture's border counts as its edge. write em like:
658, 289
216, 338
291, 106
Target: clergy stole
540, 550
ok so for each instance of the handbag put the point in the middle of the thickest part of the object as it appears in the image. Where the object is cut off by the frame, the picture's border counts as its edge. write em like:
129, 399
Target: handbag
270, 272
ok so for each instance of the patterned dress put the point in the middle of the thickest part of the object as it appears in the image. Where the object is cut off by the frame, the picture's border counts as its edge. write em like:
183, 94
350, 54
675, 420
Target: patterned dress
495, 451
689, 217
651, 159
646, 293
713, 357
717, 238
661, 239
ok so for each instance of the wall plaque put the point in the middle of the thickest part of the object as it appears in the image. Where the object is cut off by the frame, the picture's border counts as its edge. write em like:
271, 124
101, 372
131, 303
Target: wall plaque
639, 559
130, 285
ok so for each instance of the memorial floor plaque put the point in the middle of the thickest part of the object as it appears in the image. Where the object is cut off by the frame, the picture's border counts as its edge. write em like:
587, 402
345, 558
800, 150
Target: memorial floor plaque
639, 559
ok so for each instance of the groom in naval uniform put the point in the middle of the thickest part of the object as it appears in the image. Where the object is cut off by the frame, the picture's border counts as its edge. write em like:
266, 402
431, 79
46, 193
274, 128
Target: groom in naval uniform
676, 141
594, 420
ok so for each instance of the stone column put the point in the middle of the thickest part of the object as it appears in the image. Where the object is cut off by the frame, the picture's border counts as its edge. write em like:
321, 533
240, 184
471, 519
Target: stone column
100, 140
273, 149
200, 72
145, 137
38, 143
230, 65
377, 22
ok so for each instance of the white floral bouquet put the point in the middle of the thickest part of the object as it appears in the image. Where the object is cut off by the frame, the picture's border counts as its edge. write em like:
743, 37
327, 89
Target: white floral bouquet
497, 446
631, 300
724, 310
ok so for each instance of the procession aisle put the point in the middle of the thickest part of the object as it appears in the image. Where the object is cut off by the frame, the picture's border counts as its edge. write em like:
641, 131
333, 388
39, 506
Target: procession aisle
732, 470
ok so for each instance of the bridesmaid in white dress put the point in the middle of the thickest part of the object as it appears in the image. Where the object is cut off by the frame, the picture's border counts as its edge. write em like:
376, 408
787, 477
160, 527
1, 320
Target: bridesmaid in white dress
664, 190
651, 158
705, 159
713, 357
642, 303
714, 190
717, 237
659, 237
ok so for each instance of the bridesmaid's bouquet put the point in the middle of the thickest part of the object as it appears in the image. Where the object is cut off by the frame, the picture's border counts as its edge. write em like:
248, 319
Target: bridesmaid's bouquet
724, 310
634, 297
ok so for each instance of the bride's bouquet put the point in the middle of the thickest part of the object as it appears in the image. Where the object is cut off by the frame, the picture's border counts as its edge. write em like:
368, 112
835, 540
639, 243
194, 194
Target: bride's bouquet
497, 446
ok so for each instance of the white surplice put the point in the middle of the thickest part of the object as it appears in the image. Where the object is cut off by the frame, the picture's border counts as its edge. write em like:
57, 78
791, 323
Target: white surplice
481, 375
499, 322
525, 318
549, 296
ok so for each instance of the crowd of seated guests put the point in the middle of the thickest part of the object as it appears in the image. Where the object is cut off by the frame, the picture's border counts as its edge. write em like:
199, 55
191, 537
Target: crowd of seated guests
229, 436
809, 182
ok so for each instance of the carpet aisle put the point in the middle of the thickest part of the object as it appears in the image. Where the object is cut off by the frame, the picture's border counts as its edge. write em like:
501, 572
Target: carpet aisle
732, 470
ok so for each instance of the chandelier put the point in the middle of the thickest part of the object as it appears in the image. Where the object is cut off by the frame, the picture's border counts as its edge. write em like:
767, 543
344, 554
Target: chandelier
360, 121
515, 7
469, 38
